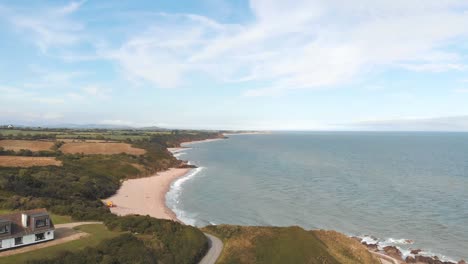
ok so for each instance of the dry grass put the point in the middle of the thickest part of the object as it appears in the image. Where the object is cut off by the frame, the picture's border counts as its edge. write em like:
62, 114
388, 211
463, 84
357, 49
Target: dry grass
100, 148
17, 161
345, 249
33, 145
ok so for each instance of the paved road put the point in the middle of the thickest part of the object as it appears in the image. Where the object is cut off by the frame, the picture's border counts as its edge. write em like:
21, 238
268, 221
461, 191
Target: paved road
216, 246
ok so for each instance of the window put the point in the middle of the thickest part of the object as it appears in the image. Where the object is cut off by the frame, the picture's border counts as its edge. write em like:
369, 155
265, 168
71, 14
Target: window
40, 236
41, 222
4, 229
18, 240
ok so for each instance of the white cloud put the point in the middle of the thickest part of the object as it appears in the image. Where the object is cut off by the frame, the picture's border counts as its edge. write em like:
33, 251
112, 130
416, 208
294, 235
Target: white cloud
299, 44
116, 122
48, 27
462, 90
75, 96
16, 94
434, 67
96, 91
48, 100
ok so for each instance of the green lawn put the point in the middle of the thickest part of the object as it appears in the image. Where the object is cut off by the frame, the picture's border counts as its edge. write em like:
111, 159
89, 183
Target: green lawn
98, 233
56, 219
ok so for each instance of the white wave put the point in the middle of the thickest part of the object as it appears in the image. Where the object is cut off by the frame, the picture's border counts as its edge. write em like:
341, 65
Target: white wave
178, 154
178, 150
369, 239
401, 241
403, 245
172, 197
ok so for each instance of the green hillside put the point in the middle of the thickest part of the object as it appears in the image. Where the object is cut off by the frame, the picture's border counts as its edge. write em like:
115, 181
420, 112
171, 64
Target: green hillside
270, 245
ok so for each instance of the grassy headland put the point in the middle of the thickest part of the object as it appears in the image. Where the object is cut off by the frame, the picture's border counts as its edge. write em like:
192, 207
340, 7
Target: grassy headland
270, 245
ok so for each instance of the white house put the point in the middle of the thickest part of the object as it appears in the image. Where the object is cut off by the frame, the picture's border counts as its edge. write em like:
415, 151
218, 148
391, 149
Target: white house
25, 228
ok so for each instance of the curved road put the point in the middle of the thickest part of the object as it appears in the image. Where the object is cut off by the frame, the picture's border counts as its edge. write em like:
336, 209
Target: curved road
216, 246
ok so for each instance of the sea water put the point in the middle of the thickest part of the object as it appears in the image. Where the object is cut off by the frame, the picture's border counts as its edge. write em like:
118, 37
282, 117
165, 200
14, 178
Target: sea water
396, 188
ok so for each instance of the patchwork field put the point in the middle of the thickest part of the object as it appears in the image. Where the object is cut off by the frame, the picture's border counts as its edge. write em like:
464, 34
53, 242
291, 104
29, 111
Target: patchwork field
100, 148
33, 145
17, 161
72, 140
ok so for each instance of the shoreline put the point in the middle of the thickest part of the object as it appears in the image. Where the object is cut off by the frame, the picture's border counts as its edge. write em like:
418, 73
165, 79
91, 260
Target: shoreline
134, 195
147, 195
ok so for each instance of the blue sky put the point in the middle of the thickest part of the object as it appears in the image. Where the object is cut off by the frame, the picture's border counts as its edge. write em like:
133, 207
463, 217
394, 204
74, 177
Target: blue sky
294, 65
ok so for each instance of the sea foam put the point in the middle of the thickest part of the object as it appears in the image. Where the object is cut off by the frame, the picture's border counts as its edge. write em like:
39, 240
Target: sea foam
172, 197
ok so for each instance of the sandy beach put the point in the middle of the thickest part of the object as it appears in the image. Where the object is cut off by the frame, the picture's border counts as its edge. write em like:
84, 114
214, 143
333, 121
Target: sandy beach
146, 196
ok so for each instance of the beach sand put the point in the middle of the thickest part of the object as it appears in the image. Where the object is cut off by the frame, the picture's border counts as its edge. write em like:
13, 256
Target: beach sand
146, 196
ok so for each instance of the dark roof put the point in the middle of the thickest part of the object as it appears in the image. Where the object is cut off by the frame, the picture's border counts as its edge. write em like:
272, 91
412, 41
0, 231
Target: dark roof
17, 228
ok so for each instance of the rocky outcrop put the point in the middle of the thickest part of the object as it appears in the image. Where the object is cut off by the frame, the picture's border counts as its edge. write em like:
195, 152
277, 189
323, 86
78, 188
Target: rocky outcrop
371, 247
393, 252
185, 165
415, 251
426, 260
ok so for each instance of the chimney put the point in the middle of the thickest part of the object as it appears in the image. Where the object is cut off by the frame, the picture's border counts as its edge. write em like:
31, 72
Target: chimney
24, 220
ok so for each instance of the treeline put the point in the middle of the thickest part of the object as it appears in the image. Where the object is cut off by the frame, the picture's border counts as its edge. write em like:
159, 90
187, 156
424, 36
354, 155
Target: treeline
28, 136
53, 152
29, 153
175, 139
77, 187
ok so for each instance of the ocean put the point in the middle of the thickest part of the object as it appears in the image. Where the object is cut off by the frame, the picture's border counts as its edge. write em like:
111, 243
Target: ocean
408, 189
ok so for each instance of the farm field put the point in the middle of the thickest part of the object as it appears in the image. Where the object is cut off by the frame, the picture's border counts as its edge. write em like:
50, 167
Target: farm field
100, 148
17, 161
15, 132
33, 145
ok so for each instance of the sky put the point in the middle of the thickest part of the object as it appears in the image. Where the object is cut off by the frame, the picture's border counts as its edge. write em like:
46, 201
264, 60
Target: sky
215, 64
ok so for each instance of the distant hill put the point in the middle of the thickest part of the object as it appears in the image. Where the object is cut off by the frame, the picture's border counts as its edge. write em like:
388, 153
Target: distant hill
82, 126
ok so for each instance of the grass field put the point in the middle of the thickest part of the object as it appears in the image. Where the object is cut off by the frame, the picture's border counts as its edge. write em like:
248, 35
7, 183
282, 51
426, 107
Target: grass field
100, 148
270, 245
107, 134
97, 233
7, 132
33, 145
17, 161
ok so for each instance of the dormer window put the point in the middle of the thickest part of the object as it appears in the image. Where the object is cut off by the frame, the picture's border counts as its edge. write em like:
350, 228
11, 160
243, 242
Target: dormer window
42, 222
4, 229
